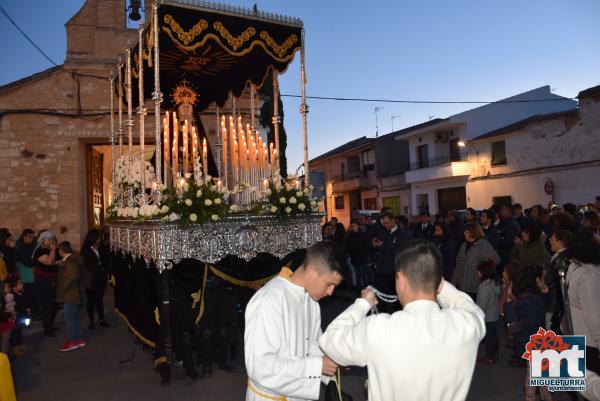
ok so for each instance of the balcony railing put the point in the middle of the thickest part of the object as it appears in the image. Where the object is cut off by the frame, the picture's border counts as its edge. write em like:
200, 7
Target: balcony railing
439, 161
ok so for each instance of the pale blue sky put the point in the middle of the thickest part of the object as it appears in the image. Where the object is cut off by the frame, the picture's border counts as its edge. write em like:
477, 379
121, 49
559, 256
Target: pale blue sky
409, 49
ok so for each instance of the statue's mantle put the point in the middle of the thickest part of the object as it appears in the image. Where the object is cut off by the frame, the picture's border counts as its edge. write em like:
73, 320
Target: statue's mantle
243, 236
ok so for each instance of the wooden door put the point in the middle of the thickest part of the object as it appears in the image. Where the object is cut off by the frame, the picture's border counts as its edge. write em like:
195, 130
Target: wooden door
95, 193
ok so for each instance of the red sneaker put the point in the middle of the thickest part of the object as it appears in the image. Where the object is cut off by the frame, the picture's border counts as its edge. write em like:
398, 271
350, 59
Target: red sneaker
81, 343
69, 346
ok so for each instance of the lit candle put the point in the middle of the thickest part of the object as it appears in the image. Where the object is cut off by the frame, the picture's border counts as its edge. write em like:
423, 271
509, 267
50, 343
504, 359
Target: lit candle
166, 149
204, 157
175, 149
224, 149
185, 146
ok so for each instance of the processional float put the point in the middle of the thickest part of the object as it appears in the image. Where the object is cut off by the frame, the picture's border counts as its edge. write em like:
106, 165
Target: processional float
215, 197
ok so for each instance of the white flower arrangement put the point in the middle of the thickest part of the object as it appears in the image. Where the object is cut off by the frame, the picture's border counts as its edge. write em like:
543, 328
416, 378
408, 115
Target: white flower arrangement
199, 193
288, 210
217, 201
208, 202
293, 200
188, 202
282, 200
214, 217
193, 217
301, 207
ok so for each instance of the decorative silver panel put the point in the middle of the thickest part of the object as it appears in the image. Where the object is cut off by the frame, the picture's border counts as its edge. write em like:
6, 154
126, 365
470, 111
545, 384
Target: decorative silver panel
242, 236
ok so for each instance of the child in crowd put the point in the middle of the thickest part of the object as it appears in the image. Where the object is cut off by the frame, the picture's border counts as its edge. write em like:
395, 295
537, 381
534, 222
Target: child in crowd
7, 317
22, 313
527, 289
488, 293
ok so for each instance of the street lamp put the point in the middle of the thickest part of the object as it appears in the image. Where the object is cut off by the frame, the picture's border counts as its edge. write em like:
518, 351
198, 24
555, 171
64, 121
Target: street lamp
462, 144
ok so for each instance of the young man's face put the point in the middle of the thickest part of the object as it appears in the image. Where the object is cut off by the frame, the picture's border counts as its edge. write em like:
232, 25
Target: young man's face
320, 283
388, 223
424, 219
484, 219
354, 227
28, 239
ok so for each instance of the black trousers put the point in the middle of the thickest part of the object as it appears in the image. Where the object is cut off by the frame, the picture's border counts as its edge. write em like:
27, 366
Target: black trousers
95, 301
45, 289
182, 328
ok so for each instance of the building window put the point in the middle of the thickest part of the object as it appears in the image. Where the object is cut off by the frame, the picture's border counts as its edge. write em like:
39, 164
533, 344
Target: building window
339, 202
368, 160
423, 156
353, 164
454, 150
393, 202
502, 200
498, 153
370, 203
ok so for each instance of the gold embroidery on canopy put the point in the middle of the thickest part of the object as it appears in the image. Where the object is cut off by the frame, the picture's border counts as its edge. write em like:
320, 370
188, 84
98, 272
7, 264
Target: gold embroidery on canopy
186, 37
280, 49
254, 43
149, 45
234, 41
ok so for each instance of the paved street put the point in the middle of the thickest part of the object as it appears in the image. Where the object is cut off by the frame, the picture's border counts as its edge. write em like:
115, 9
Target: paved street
103, 372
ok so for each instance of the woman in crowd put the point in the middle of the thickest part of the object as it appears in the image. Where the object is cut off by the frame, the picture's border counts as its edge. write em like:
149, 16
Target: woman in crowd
583, 280
444, 239
25, 266
473, 251
93, 264
8, 251
560, 261
45, 271
487, 299
531, 249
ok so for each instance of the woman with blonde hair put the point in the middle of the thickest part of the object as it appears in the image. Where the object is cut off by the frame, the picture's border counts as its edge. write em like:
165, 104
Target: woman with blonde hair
473, 251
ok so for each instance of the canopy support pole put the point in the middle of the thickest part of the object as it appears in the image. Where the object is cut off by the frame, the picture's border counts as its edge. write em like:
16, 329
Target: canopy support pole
129, 107
112, 133
276, 118
304, 110
157, 97
141, 110
120, 93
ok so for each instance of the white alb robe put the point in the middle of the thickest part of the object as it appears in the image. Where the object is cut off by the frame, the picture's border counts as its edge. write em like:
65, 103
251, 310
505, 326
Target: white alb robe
283, 326
422, 353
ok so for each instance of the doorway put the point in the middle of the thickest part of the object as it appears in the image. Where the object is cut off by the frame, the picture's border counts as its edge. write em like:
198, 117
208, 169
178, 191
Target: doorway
451, 198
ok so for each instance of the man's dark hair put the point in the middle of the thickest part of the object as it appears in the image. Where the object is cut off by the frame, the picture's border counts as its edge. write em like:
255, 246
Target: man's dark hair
26, 232
563, 235
584, 247
534, 230
421, 262
327, 253
353, 221
385, 209
389, 215
506, 206
487, 269
402, 219
490, 214
517, 206
424, 213
65, 246
446, 230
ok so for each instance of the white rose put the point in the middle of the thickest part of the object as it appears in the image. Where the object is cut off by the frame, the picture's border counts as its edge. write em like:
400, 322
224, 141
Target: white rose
214, 217
288, 210
217, 201
313, 203
193, 217
233, 208
273, 209
188, 176
301, 207
282, 200
188, 202
174, 217
293, 200
208, 202
199, 193
268, 192
186, 186
164, 209
306, 191
299, 194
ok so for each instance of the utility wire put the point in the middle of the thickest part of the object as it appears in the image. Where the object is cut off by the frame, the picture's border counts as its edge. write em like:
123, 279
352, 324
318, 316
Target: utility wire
353, 99
3, 11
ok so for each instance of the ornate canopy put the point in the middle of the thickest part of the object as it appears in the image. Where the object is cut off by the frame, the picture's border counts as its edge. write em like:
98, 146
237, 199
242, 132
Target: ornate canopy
215, 49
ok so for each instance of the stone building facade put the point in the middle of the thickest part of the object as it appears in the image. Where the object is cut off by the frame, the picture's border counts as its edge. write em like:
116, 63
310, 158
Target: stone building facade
49, 120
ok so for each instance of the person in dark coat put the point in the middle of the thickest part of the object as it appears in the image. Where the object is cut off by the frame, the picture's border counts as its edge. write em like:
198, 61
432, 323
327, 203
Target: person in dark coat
508, 230
338, 231
93, 264
424, 230
457, 226
443, 237
519, 216
387, 242
559, 261
358, 249
489, 229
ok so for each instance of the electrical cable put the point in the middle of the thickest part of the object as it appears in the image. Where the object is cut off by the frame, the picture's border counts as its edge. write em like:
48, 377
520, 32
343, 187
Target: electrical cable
3, 11
351, 99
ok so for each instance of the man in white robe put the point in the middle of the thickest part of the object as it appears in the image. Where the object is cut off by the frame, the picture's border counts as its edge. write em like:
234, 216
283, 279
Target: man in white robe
427, 351
283, 326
